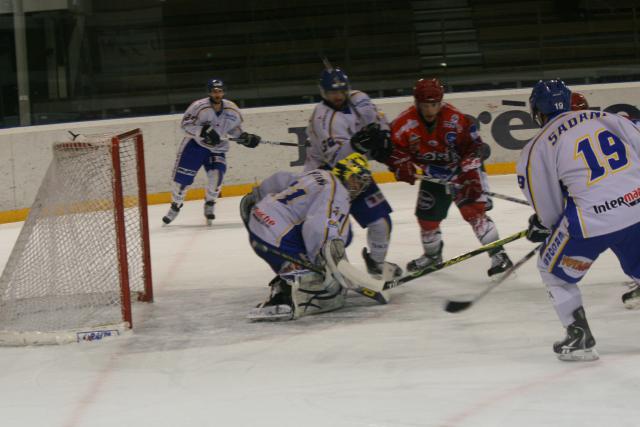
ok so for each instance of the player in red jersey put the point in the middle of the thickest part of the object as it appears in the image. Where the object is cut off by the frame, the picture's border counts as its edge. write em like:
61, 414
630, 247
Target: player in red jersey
435, 137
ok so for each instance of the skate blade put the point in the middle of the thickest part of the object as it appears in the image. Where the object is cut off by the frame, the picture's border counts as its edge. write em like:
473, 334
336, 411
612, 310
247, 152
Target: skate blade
587, 355
271, 313
209, 222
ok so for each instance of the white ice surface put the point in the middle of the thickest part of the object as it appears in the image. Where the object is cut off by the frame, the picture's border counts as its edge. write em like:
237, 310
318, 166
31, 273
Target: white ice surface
194, 360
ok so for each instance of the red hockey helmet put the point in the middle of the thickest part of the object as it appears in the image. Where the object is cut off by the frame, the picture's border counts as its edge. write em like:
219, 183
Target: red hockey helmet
578, 101
428, 90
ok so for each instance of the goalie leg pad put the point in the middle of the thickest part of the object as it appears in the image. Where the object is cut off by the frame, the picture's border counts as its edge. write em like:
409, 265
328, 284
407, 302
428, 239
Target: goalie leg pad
312, 294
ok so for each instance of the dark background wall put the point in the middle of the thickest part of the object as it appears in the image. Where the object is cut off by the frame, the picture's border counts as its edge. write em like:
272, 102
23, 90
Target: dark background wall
101, 59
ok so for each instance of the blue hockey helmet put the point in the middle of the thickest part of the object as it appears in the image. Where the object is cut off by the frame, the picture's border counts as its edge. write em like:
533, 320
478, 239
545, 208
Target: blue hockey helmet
333, 79
214, 84
549, 97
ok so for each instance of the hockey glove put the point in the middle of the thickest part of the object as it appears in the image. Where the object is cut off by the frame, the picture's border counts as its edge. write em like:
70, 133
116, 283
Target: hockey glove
373, 140
383, 146
209, 136
361, 140
537, 232
249, 140
469, 187
401, 165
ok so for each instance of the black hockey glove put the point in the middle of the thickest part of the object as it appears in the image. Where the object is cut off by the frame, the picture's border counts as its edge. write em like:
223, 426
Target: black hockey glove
371, 139
249, 140
209, 136
363, 140
383, 146
537, 232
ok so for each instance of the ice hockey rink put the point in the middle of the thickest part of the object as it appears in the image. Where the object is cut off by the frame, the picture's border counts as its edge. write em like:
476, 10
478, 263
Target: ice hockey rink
194, 360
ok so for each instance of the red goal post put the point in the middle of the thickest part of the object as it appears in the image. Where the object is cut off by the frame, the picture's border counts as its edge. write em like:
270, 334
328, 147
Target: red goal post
84, 248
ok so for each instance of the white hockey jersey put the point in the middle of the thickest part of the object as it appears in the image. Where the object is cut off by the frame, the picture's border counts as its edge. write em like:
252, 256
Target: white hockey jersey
329, 130
227, 122
584, 165
315, 199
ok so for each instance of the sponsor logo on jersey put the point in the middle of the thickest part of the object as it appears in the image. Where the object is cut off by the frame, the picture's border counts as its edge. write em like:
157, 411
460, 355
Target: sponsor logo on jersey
414, 138
455, 118
632, 198
90, 336
262, 217
374, 200
433, 156
449, 124
576, 266
432, 142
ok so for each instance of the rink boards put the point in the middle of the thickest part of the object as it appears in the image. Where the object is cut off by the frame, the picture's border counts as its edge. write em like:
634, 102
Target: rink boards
502, 117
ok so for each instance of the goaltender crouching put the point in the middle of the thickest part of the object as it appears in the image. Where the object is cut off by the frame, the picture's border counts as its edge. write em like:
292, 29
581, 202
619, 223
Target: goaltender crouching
304, 217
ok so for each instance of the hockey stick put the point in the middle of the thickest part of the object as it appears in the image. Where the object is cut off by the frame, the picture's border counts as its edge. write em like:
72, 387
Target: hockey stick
430, 269
487, 193
453, 306
288, 144
362, 290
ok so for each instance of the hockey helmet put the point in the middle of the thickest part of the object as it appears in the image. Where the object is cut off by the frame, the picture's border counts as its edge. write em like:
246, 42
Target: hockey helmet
354, 173
549, 98
214, 84
333, 79
578, 102
428, 90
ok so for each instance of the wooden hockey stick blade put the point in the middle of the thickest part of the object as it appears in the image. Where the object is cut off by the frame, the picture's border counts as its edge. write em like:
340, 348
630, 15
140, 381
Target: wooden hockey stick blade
458, 306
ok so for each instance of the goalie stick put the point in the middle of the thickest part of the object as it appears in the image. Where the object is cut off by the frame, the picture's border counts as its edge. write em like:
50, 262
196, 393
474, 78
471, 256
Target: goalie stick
453, 306
486, 193
344, 267
430, 269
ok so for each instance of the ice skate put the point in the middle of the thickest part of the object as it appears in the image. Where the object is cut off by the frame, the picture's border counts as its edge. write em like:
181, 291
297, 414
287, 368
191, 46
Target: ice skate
377, 270
209, 206
174, 210
425, 261
631, 299
500, 263
579, 344
279, 306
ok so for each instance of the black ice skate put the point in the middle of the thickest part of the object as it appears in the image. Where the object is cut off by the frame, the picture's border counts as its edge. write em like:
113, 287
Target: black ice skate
279, 306
631, 299
377, 269
209, 206
500, 263
579, 344
174, 210
425, 261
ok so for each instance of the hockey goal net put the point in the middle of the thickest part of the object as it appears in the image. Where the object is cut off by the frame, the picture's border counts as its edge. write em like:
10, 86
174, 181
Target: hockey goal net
83, 252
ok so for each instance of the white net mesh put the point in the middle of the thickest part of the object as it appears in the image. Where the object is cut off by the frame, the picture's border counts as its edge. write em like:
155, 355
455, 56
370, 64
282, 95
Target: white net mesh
63, 275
